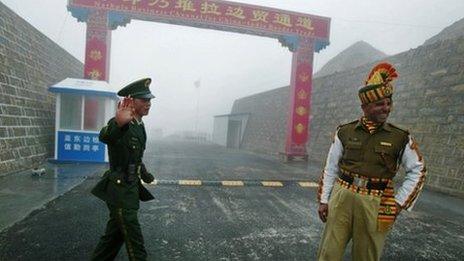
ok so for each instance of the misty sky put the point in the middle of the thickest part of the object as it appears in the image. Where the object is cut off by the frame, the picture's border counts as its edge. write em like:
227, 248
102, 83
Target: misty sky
232, 65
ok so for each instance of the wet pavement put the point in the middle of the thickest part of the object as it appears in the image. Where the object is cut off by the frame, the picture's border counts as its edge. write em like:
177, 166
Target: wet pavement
177, 160
224, 223
21, 193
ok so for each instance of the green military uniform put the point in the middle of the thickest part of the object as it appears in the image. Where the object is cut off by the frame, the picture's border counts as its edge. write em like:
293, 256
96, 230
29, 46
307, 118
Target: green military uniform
120, 186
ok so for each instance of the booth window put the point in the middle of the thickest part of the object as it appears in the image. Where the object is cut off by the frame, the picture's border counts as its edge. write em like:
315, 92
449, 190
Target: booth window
94, 113
70, 111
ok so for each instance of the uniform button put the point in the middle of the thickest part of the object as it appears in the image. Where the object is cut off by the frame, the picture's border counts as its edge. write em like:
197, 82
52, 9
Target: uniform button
118, 181
133, 147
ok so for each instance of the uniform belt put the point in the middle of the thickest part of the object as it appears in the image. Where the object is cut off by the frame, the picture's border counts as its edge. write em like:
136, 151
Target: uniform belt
121, 169
130, 173
116, 168
364, 182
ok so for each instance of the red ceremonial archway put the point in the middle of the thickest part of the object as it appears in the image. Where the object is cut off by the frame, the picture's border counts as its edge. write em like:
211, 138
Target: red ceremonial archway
302, 33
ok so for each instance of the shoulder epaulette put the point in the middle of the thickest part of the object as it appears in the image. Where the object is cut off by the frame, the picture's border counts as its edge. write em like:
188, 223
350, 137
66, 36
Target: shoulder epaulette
345, 124
398, 128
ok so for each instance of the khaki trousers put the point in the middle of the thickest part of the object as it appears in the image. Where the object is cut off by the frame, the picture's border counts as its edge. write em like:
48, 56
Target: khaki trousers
351, 216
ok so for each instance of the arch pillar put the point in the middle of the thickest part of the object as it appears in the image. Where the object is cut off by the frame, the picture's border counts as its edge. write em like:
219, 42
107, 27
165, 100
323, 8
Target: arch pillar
299, 110
97, 46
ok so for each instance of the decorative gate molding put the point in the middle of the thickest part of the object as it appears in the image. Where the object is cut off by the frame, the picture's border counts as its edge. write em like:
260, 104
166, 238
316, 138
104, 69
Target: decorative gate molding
302, 33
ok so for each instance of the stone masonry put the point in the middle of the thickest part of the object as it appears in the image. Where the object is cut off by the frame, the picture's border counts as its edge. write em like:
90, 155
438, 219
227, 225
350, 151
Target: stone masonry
266, 126
428, 101
29, 63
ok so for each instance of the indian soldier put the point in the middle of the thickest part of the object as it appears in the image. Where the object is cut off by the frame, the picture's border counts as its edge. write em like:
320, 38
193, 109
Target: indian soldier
356, 192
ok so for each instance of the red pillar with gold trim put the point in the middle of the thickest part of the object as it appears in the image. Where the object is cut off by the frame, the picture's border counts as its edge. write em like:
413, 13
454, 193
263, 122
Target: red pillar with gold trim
97, 48
300, 100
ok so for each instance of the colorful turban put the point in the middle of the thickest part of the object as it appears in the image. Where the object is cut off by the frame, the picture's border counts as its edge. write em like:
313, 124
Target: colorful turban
378, 84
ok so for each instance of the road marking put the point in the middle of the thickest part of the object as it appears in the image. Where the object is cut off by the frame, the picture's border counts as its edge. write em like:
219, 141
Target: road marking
232, 183
272, 183
186, 182
308, 184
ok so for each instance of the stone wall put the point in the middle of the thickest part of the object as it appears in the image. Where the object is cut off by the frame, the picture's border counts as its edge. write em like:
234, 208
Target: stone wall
266, 127
428, 101
29, 63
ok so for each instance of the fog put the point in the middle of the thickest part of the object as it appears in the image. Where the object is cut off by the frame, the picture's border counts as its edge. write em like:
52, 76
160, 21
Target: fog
231, 65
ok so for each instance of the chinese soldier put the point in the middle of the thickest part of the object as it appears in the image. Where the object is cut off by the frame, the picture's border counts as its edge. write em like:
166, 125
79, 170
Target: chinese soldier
356, 195
120, 186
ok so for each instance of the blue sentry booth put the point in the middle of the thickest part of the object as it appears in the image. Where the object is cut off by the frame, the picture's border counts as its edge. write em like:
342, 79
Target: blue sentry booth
82, 108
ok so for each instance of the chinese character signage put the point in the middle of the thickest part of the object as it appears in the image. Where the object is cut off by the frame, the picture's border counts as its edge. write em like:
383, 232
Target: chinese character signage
241, 17
302, 33
97, 47
80, 146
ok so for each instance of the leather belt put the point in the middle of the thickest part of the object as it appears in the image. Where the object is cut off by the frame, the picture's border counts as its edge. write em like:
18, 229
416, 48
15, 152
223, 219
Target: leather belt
363, 182
130, 173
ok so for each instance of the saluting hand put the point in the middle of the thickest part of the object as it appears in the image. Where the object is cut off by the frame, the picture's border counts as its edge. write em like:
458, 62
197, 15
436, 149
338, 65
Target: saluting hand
125, 111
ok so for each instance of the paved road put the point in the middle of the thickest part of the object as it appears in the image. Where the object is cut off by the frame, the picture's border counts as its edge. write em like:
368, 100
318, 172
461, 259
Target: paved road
223, 223
21, 193
175, 160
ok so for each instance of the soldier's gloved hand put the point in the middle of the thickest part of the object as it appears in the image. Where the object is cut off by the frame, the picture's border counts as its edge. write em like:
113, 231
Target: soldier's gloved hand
145, 175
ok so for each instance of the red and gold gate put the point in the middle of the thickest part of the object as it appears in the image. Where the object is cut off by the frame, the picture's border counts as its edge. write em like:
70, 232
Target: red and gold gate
302, 33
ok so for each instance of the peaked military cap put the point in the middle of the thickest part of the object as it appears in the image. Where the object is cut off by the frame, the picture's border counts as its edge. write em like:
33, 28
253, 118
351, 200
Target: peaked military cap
378, 83
138, 89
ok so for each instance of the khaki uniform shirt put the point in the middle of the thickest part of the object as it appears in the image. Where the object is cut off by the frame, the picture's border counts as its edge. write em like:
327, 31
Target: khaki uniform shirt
375, 155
